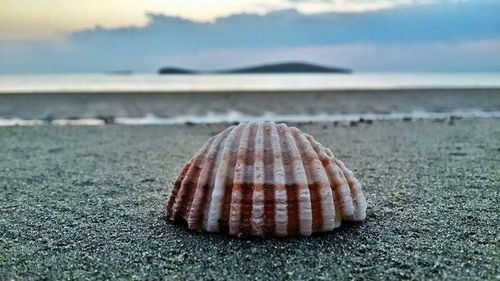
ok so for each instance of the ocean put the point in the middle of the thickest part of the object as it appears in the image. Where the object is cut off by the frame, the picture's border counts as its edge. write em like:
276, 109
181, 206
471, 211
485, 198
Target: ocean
242, 82
100, 99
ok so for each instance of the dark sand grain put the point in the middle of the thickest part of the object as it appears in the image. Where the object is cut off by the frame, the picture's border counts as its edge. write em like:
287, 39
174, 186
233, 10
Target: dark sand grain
85, 202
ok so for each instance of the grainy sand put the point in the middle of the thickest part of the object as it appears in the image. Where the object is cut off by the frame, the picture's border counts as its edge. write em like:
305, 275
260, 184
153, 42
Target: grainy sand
85, 202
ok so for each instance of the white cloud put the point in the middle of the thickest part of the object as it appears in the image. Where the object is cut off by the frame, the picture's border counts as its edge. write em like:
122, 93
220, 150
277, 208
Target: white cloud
407, 39
26, 19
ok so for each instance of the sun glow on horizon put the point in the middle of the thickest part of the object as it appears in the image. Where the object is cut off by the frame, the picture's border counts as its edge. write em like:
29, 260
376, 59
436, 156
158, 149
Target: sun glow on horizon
48, 19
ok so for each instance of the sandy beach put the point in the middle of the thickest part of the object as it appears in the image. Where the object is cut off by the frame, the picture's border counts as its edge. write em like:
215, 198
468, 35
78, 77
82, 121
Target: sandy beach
86, 202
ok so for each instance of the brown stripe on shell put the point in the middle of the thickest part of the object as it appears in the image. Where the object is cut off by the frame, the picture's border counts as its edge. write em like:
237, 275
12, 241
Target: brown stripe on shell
357, 195
245, 225
278, 182
203, 185
175, 190
186, 189
292, 189
340, 187
308, 163
269, 184
300, 180
246, 209
257, 215
318, 183
225, 167
226, 204
317, 216
213, 174
240, 170
327, 166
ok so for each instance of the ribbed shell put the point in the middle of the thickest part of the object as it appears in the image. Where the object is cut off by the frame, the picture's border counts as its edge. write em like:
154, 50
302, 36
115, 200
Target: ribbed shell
265, 179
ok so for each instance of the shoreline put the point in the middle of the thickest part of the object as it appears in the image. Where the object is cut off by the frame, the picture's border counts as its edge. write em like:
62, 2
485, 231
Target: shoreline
237, 117
74, 105
254, 91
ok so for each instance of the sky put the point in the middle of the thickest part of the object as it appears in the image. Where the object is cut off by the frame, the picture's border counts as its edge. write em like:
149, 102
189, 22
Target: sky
70, 36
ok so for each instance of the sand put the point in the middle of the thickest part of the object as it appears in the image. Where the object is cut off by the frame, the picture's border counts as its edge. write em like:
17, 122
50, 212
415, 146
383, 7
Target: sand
86, 202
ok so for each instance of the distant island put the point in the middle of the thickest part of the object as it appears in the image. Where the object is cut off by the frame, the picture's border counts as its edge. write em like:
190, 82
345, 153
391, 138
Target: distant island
288, 67
177, 70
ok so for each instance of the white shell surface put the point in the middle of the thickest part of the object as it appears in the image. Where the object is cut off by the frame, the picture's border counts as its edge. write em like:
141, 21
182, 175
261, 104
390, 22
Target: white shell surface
265, 179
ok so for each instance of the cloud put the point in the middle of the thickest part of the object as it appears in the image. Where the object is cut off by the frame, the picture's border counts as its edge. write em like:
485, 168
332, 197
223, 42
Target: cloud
424, 29
359, 6
291, 28
24, 19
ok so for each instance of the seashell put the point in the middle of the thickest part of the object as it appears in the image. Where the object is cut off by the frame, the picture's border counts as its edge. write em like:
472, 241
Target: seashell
265, 179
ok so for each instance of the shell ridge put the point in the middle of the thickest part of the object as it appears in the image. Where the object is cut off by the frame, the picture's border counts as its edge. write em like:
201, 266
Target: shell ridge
212, 174
332, 217
175, 190
183, 203
218, 191
226, 206
300, 179
185, 195
321, 194
280, 195
248, 185
307, 163
181, 198
258, 183
293, 219
319, 148
238, 181
342, 189
195, 216
358, 198
270, 186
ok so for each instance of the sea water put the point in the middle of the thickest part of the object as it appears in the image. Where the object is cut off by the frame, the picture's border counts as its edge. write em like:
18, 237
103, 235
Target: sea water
243, 82
247, 82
